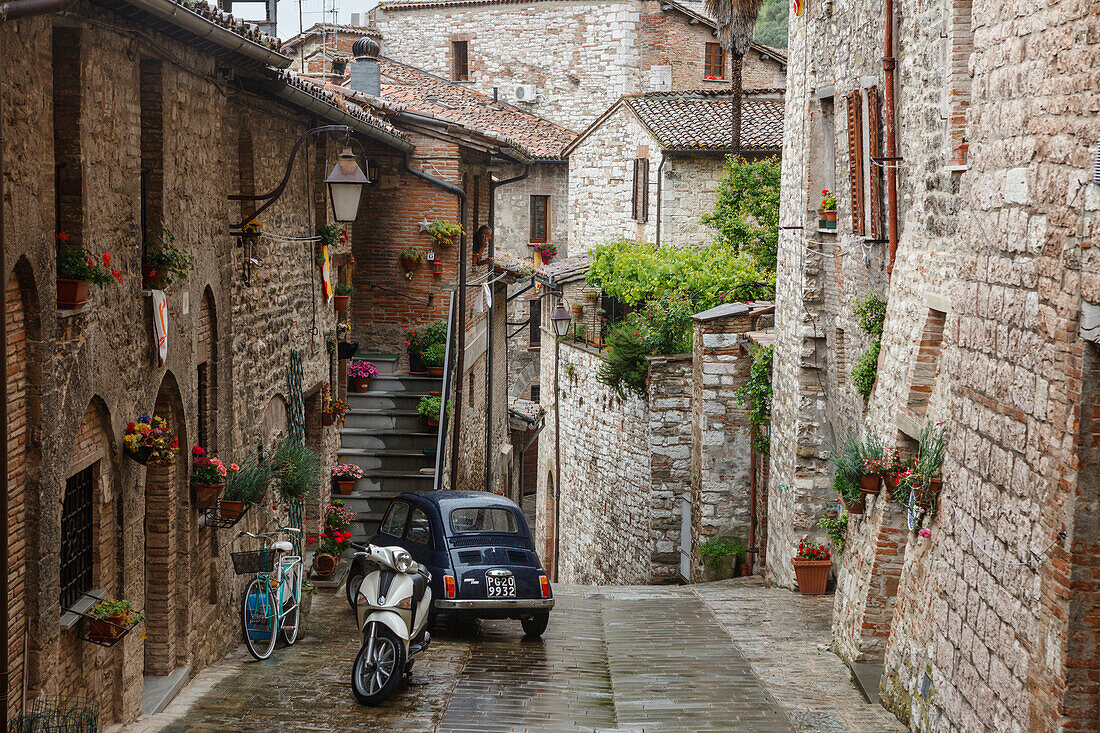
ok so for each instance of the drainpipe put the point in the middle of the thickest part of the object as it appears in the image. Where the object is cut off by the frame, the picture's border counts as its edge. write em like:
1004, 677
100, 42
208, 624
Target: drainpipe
660, 180
888, 65
461, 346
493, 186
10, 11
751, 554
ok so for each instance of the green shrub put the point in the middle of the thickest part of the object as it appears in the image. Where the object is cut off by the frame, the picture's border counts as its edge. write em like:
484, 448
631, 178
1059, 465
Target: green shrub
746, 209
624, 367
865, 371
717, 547
295, 467
429, 406
435, 355
871, 313
756, 395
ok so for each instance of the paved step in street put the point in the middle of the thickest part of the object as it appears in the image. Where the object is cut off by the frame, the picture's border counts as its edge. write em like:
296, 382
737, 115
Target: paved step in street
614, 660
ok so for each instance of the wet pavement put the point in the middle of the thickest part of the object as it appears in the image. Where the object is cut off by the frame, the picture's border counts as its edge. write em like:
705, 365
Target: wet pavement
628, 660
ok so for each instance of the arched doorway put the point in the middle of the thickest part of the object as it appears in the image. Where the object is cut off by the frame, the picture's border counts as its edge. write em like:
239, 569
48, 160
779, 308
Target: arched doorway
167, 566
205, 549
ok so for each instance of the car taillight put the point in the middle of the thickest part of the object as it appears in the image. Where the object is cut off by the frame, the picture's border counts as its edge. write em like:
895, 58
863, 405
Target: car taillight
449, 586
544, 582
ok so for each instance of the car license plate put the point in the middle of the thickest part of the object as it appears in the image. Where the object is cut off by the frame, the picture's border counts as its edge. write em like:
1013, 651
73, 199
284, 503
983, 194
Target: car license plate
500, 587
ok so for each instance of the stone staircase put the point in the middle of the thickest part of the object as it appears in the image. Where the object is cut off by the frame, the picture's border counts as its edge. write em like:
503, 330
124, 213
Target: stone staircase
385, 436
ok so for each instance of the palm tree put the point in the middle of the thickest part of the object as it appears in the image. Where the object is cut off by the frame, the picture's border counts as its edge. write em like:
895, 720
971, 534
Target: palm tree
736, 20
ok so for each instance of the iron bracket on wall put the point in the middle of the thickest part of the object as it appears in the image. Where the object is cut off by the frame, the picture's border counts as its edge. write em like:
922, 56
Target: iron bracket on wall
428, 302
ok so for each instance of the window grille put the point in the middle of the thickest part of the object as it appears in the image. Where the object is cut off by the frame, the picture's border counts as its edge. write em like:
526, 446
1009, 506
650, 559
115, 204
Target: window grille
76, 536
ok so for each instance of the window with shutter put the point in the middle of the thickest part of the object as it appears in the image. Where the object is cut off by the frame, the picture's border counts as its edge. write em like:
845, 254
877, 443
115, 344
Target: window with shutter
540, 219
855, 159
874, 172
640, 203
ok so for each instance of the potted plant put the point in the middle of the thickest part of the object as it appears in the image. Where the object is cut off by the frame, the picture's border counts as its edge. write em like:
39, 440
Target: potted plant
547, 251
428, 407
848, 463
361, 371
338, 516
443, 233
873, 463
578, 310
344, 476
244, 485
76, 268
207, 476
110, 619
341, 296
835, 525
591, 296
434, 358
811, 567
330, 544
150, 441
721, 556
339, 409
919, 484
826, 214
296, 468
162, 262
411, 258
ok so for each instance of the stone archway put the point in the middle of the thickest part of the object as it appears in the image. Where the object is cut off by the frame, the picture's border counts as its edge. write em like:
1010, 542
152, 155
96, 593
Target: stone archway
167, 566
23, 387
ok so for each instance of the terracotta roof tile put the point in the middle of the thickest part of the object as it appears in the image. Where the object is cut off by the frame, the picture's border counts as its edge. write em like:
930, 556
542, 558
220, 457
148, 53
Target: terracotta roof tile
243, 28
700, 120
323, 92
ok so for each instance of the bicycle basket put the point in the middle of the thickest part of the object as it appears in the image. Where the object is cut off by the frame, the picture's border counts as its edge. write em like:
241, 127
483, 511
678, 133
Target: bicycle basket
251, 562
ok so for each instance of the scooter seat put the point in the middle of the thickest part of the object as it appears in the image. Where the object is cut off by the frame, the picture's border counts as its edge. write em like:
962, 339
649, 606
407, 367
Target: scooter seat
420, 585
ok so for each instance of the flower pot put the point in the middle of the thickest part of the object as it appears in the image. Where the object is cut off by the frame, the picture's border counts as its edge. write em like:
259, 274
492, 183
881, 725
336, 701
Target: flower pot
71, 294
344, 487
853, 507
328, 418
409, 264
360, 384
578, 310
346, 350
340, 302
152, 278
416, 364
869, 483
826, 219
591, 296
324, 565
433, 422
891, 481
230, 509
206, 495
813, 575
435, 371
149, 457
106, 629
721, 567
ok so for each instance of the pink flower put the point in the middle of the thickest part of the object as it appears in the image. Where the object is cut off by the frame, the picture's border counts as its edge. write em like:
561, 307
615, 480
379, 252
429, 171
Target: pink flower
925, 533
234, 467
197, 451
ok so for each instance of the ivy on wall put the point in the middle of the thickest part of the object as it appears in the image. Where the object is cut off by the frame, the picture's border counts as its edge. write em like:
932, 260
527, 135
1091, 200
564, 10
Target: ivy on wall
756, 395
871, 314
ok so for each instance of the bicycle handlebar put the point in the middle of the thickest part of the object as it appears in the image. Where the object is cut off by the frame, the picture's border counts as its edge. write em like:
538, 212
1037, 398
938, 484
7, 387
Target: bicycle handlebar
270, 535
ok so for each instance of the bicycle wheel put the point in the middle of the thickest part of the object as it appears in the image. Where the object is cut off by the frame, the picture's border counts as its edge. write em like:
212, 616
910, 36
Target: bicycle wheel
292, 597
259, 617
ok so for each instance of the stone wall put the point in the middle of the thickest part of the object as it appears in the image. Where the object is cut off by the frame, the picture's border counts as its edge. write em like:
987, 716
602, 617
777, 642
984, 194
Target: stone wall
100, 360
688, 190
670, 451
581, 57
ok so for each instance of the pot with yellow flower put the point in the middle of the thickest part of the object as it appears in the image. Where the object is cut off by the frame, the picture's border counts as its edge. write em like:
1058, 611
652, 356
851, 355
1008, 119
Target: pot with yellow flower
150, 441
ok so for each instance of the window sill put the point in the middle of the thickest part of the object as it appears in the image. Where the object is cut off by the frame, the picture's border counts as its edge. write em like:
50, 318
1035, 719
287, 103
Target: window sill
70, 619
714, 78
826, 231
958, 167
75, 311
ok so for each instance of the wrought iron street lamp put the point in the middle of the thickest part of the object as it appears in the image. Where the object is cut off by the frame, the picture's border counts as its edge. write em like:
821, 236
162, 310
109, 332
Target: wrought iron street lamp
560, 319
345, 187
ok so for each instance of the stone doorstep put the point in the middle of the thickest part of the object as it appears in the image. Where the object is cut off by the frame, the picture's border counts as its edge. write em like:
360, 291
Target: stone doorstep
159, 690
866, 676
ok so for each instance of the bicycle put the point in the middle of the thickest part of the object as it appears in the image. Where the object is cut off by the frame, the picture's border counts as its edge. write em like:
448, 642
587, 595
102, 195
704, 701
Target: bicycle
272, 599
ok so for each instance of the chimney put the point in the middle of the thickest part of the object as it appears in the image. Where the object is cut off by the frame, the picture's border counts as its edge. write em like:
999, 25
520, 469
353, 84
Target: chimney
365, 74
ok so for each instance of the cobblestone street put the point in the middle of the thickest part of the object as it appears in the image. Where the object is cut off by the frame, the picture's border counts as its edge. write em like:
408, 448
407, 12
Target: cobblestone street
613, 659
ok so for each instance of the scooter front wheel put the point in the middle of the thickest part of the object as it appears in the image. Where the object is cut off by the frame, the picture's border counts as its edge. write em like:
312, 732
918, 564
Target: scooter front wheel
376, 676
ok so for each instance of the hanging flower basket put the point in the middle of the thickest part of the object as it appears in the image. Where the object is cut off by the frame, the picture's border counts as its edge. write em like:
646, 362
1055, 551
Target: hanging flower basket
346, 350
231, 510
206, 495
578, 310
340, 302
328, 418
150, 441
409, 264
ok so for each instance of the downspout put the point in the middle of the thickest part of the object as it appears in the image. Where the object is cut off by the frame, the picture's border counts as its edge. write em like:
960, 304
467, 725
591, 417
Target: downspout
888, 65
493, 186
10, 11
751, 554
462, 201
660, 180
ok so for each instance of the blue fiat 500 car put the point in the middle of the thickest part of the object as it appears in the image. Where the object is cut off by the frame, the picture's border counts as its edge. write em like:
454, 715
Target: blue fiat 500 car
479, 550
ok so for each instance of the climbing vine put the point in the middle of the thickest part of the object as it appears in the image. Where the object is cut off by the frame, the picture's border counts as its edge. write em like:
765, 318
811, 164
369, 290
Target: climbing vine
870, 312
756, 395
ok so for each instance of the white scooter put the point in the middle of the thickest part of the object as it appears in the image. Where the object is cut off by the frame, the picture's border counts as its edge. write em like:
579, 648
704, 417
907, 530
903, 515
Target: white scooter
392, 608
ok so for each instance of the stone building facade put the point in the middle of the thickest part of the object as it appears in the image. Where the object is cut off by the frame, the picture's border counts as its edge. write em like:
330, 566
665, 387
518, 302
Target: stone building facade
579, 57
983, 625
648, 168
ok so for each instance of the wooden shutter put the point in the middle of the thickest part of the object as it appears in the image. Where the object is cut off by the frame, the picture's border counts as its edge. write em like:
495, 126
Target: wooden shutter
874, 150
640, 204
855, 159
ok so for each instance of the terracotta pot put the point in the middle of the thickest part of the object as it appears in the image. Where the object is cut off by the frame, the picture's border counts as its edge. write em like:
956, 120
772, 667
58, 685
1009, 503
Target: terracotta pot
360, 384
433, 422
328, 418
152, 278
340, 302
230, 509
435, 371
435, 393
71, 294
591, 296
409, 264
813, 575
869, 483
106, 629
578, 310
891, 481
324, 565
206, 495
344, 487
853, 507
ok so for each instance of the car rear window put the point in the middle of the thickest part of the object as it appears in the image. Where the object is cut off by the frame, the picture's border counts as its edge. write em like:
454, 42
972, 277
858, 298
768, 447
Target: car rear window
483, 519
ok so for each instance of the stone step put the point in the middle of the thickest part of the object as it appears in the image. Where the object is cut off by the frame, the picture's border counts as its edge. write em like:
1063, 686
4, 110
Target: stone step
371, 439
404, 420
386, 363
402, 382
392, 481
384, 400
410, 461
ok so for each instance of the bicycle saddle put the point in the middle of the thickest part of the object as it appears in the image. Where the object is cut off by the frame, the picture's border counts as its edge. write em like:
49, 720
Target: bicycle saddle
283, 546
